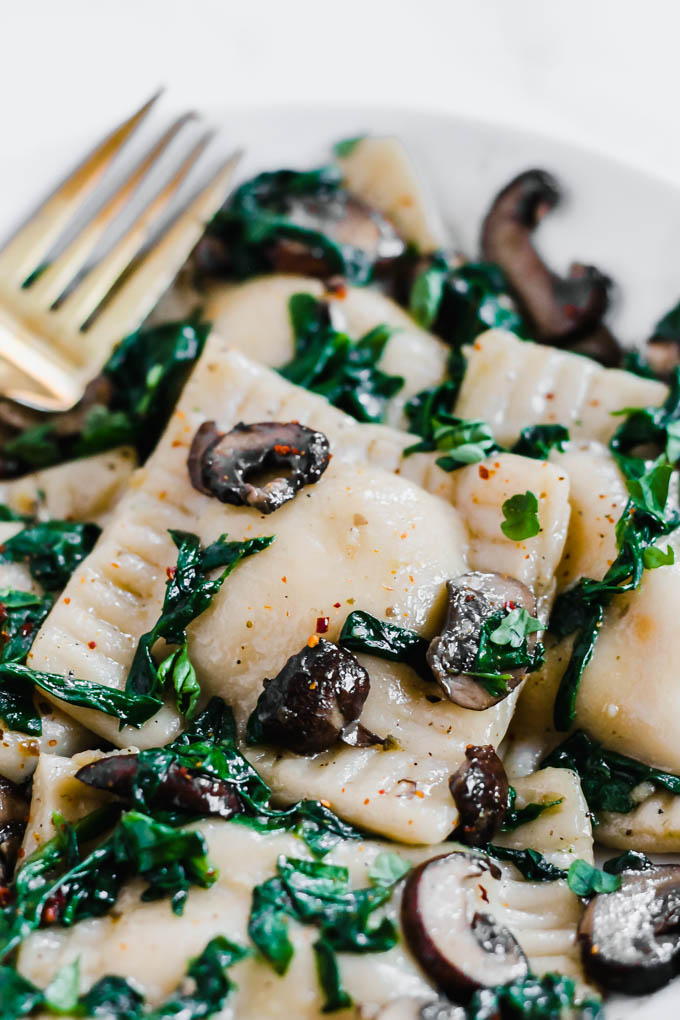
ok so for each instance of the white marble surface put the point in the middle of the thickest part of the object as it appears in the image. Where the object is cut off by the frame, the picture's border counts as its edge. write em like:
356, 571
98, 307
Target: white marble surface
602, 73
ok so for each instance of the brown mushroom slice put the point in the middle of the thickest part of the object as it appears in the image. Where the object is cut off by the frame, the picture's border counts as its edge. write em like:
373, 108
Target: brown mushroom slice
228, 465
445, 918
558, 309
314, 702
472, 598
630, 939
179, 787
480, 790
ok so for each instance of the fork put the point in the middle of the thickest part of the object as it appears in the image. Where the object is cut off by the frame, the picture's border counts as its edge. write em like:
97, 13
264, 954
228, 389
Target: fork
60, 319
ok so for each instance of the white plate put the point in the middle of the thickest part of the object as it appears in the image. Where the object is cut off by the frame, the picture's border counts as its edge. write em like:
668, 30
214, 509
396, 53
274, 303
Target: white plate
617, 218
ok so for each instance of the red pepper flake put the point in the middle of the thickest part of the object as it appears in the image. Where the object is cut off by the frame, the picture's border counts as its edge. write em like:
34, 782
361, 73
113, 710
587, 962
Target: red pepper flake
336, 605
312, 641
483, 472
170, 572
483, 891
284, 579
322, 624
4, 895
26, 628
91, 644
67, 601
367, 800
381, 791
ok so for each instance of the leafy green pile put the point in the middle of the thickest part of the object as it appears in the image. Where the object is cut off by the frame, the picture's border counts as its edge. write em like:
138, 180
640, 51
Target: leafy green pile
319, 894
607, 778
189, 591
51, 550
342, 370
286, 205
118, 999
61, 884
646, 518
146, 373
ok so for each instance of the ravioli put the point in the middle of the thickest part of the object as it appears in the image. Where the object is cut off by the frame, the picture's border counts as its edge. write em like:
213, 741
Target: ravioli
145, 942
361, 538
79, 490
511, 383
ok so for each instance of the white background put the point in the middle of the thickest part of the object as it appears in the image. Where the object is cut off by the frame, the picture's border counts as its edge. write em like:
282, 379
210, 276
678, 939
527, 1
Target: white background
600, 72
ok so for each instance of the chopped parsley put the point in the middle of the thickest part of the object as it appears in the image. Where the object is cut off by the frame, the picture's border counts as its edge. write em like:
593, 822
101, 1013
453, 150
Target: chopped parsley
464, 441
521, 517
585, 880
344, 371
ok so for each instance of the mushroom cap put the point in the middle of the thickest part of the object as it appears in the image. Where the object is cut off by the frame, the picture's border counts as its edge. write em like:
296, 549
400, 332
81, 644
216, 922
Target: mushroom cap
448, 924
224, 464
480, 790
630, 939
317, 697
472, 598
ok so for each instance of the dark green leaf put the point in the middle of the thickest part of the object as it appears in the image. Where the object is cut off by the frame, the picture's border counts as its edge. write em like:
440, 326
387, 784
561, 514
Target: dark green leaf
388, 868
342, 370
18, 997
515, 817
607, 778
504, 647
586, 880
550, 997
113, 998
530, 863
132, 710
426, 293
51, 549
521, 517
515, 628
629, 860
538, 440
178, 671
362, 632
463, 441
328, 974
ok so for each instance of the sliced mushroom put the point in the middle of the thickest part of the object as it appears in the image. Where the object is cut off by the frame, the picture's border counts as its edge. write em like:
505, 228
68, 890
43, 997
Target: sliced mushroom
480, 790
447, 925
630, 939
558, 310
179, 787
472, 598
314, 702
223, 464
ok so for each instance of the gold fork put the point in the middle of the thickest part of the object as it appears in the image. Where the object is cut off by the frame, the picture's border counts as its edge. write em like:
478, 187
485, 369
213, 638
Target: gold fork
51, 341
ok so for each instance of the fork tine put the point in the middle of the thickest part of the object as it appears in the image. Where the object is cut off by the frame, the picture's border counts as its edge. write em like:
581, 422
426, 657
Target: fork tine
154, 274
62, 270
80, 304
23, 253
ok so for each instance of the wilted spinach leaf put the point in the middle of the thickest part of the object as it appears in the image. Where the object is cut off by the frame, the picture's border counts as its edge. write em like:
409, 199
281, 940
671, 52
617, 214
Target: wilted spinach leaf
538, 440
550, 997
362, 632
515, 817
342, 370
607, 778
51, 549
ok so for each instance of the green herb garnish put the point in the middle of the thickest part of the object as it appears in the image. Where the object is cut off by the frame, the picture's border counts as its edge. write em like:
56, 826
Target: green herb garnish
465, 441
521, 517
586, 880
